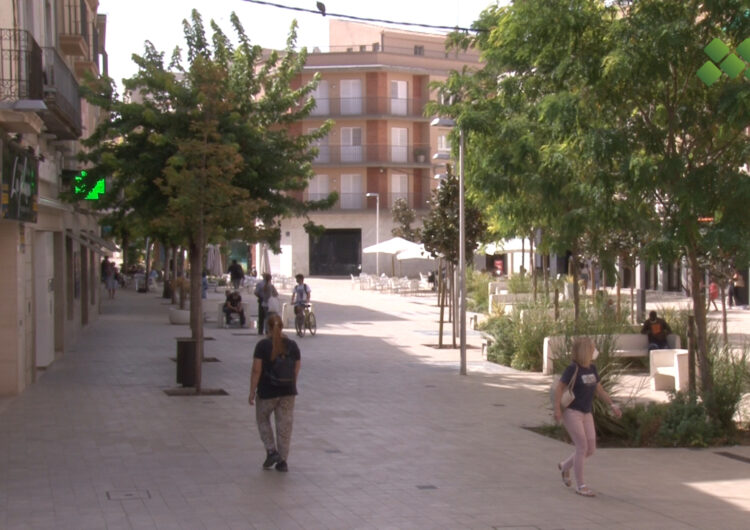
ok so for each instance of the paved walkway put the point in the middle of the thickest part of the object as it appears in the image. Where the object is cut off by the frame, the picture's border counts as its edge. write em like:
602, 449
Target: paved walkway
386, 435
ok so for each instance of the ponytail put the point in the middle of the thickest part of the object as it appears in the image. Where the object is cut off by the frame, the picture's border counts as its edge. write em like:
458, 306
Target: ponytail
275, 325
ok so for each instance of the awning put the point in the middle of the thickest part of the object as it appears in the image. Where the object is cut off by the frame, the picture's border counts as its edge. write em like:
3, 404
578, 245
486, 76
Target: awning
95, 243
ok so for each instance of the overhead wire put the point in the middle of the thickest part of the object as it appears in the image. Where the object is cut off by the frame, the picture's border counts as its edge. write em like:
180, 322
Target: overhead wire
362, 19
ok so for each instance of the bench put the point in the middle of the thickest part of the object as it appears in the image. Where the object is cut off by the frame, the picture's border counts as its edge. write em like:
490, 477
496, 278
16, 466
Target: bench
508, 300
487, 341
246, 308
625, 345
668, 369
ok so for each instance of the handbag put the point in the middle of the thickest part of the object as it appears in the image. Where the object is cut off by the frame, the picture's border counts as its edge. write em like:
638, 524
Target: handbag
567, 396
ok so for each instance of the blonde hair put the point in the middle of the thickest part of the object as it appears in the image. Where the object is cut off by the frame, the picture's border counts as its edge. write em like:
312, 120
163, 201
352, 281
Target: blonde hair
275, 325
583, 351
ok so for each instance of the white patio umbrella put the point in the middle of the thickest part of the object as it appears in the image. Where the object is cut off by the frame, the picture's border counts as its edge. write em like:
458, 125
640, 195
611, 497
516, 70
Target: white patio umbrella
414, 253
393, 247
214, 266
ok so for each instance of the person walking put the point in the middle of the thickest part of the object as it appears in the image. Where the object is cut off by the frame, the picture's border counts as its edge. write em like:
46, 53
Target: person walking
273, 380
264, 290
713, 295
110, 277
577, 417
236, 274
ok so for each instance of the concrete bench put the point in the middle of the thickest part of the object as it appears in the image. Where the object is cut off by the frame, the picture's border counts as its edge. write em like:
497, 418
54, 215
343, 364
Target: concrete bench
668, 369
245, 307
487, 341
625, 345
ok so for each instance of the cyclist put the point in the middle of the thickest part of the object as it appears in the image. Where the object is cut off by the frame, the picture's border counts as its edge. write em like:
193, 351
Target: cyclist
300, 295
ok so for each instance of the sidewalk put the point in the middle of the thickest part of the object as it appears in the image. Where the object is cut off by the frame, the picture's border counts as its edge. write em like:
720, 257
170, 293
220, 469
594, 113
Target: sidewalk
386, 435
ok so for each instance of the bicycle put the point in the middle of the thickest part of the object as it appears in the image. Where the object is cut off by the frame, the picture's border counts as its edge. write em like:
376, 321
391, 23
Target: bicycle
305, 319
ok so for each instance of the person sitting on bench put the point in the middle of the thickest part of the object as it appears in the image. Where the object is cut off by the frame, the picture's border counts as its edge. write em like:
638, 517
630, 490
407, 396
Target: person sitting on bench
233, 304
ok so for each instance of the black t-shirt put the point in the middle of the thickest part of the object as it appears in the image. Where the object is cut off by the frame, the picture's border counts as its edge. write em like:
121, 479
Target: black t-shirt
263, 352
584, 386
234, 299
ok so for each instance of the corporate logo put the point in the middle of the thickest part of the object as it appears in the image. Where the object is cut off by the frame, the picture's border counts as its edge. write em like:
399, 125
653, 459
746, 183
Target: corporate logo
727, 62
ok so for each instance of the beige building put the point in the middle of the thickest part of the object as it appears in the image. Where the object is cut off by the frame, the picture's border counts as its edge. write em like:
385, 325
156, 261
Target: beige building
49, 250
374, 85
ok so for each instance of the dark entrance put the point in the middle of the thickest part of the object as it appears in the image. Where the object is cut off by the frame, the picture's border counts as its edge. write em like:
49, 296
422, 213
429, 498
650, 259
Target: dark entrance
336, 253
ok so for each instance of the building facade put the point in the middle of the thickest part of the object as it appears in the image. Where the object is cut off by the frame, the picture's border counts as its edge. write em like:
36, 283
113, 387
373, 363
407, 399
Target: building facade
374, 85
49, 250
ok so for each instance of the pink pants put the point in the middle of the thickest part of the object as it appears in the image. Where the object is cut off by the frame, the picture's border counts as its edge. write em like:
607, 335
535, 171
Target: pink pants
580, 427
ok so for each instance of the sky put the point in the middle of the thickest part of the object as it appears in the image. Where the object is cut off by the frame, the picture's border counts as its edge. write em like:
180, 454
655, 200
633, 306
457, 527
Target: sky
131, 22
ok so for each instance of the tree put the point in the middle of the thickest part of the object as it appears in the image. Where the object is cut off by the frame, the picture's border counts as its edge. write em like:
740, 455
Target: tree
687, 142
207, 153
403, 217
440, 232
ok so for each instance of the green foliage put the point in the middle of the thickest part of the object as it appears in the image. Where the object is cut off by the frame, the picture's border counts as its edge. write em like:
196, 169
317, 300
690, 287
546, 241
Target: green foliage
519, 283
477, 293
731, 375
440, 232
403, 217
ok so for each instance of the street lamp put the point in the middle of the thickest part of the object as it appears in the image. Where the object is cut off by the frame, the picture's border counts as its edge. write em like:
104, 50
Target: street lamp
377, 228
448, 122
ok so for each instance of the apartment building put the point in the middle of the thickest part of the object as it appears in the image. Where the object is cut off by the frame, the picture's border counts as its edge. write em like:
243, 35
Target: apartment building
374, 85
49, 250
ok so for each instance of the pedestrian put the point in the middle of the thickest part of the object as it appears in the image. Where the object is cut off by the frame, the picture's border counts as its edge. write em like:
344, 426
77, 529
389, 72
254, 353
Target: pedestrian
236, 274
273, 380
577, 417
657, 330
264, 291
110, 277
739, 284
713, 294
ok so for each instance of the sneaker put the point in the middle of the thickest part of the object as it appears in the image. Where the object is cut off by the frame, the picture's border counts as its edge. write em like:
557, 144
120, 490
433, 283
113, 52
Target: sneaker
272, 458
281, 466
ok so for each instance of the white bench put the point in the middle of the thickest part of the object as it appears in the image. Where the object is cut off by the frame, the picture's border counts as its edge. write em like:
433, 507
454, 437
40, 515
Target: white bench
668, 369
625, 345
222, 322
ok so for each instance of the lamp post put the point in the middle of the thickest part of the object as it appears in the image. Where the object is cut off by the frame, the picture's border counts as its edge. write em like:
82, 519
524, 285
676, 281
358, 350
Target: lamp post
377, 228
447, 122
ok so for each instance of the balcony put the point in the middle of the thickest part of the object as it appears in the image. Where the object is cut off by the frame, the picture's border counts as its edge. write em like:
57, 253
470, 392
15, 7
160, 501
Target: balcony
63, 117
74, 32
369, 107
358, 201
20, 82
373, 155
20, 66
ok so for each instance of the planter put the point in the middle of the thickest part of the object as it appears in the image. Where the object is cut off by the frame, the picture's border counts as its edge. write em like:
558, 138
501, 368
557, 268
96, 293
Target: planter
179, 316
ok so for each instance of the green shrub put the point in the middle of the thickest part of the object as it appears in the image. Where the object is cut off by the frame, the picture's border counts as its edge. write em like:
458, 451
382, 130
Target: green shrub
528, 336
519, 283
501, 328
641, 423
686, 423
730, 374
477, 291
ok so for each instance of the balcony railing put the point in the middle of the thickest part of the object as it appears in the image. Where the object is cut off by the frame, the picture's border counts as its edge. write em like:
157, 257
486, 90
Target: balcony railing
61, 97
369, 106
74, 32
20, 66
372, 154
359, 201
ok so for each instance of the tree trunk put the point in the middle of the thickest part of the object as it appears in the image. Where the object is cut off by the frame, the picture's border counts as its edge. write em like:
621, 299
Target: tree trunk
441, 302
533, 268
545, 276
195, 251
699, 309
576, 294
724, 333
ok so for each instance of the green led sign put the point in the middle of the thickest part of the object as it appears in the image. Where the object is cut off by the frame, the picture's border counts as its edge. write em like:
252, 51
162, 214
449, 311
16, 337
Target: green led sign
80, 189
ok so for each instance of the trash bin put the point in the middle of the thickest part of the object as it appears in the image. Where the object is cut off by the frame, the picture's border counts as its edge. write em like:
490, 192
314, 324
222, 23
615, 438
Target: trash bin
186, 361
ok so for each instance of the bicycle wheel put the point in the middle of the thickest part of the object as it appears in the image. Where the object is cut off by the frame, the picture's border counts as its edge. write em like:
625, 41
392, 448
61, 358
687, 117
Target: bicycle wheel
311, 324
299, 324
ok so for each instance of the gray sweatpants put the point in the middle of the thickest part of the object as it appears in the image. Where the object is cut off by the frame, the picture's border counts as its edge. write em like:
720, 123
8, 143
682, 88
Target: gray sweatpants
283, 413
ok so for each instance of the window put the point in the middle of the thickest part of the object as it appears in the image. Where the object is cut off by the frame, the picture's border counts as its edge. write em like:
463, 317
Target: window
351, 191
363, 47
351, 96
318, 188
399, 144
320, 95
398, 98
399, 187
351, 144
443, 144
418, 50
324, 152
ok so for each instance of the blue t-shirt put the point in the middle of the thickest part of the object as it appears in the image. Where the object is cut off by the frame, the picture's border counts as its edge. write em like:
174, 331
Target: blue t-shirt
584, 387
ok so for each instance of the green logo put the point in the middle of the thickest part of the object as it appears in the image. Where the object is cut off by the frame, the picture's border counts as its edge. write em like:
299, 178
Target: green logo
729, 63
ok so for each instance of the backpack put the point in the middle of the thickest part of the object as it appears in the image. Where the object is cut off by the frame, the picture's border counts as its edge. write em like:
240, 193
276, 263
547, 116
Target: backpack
281, 371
